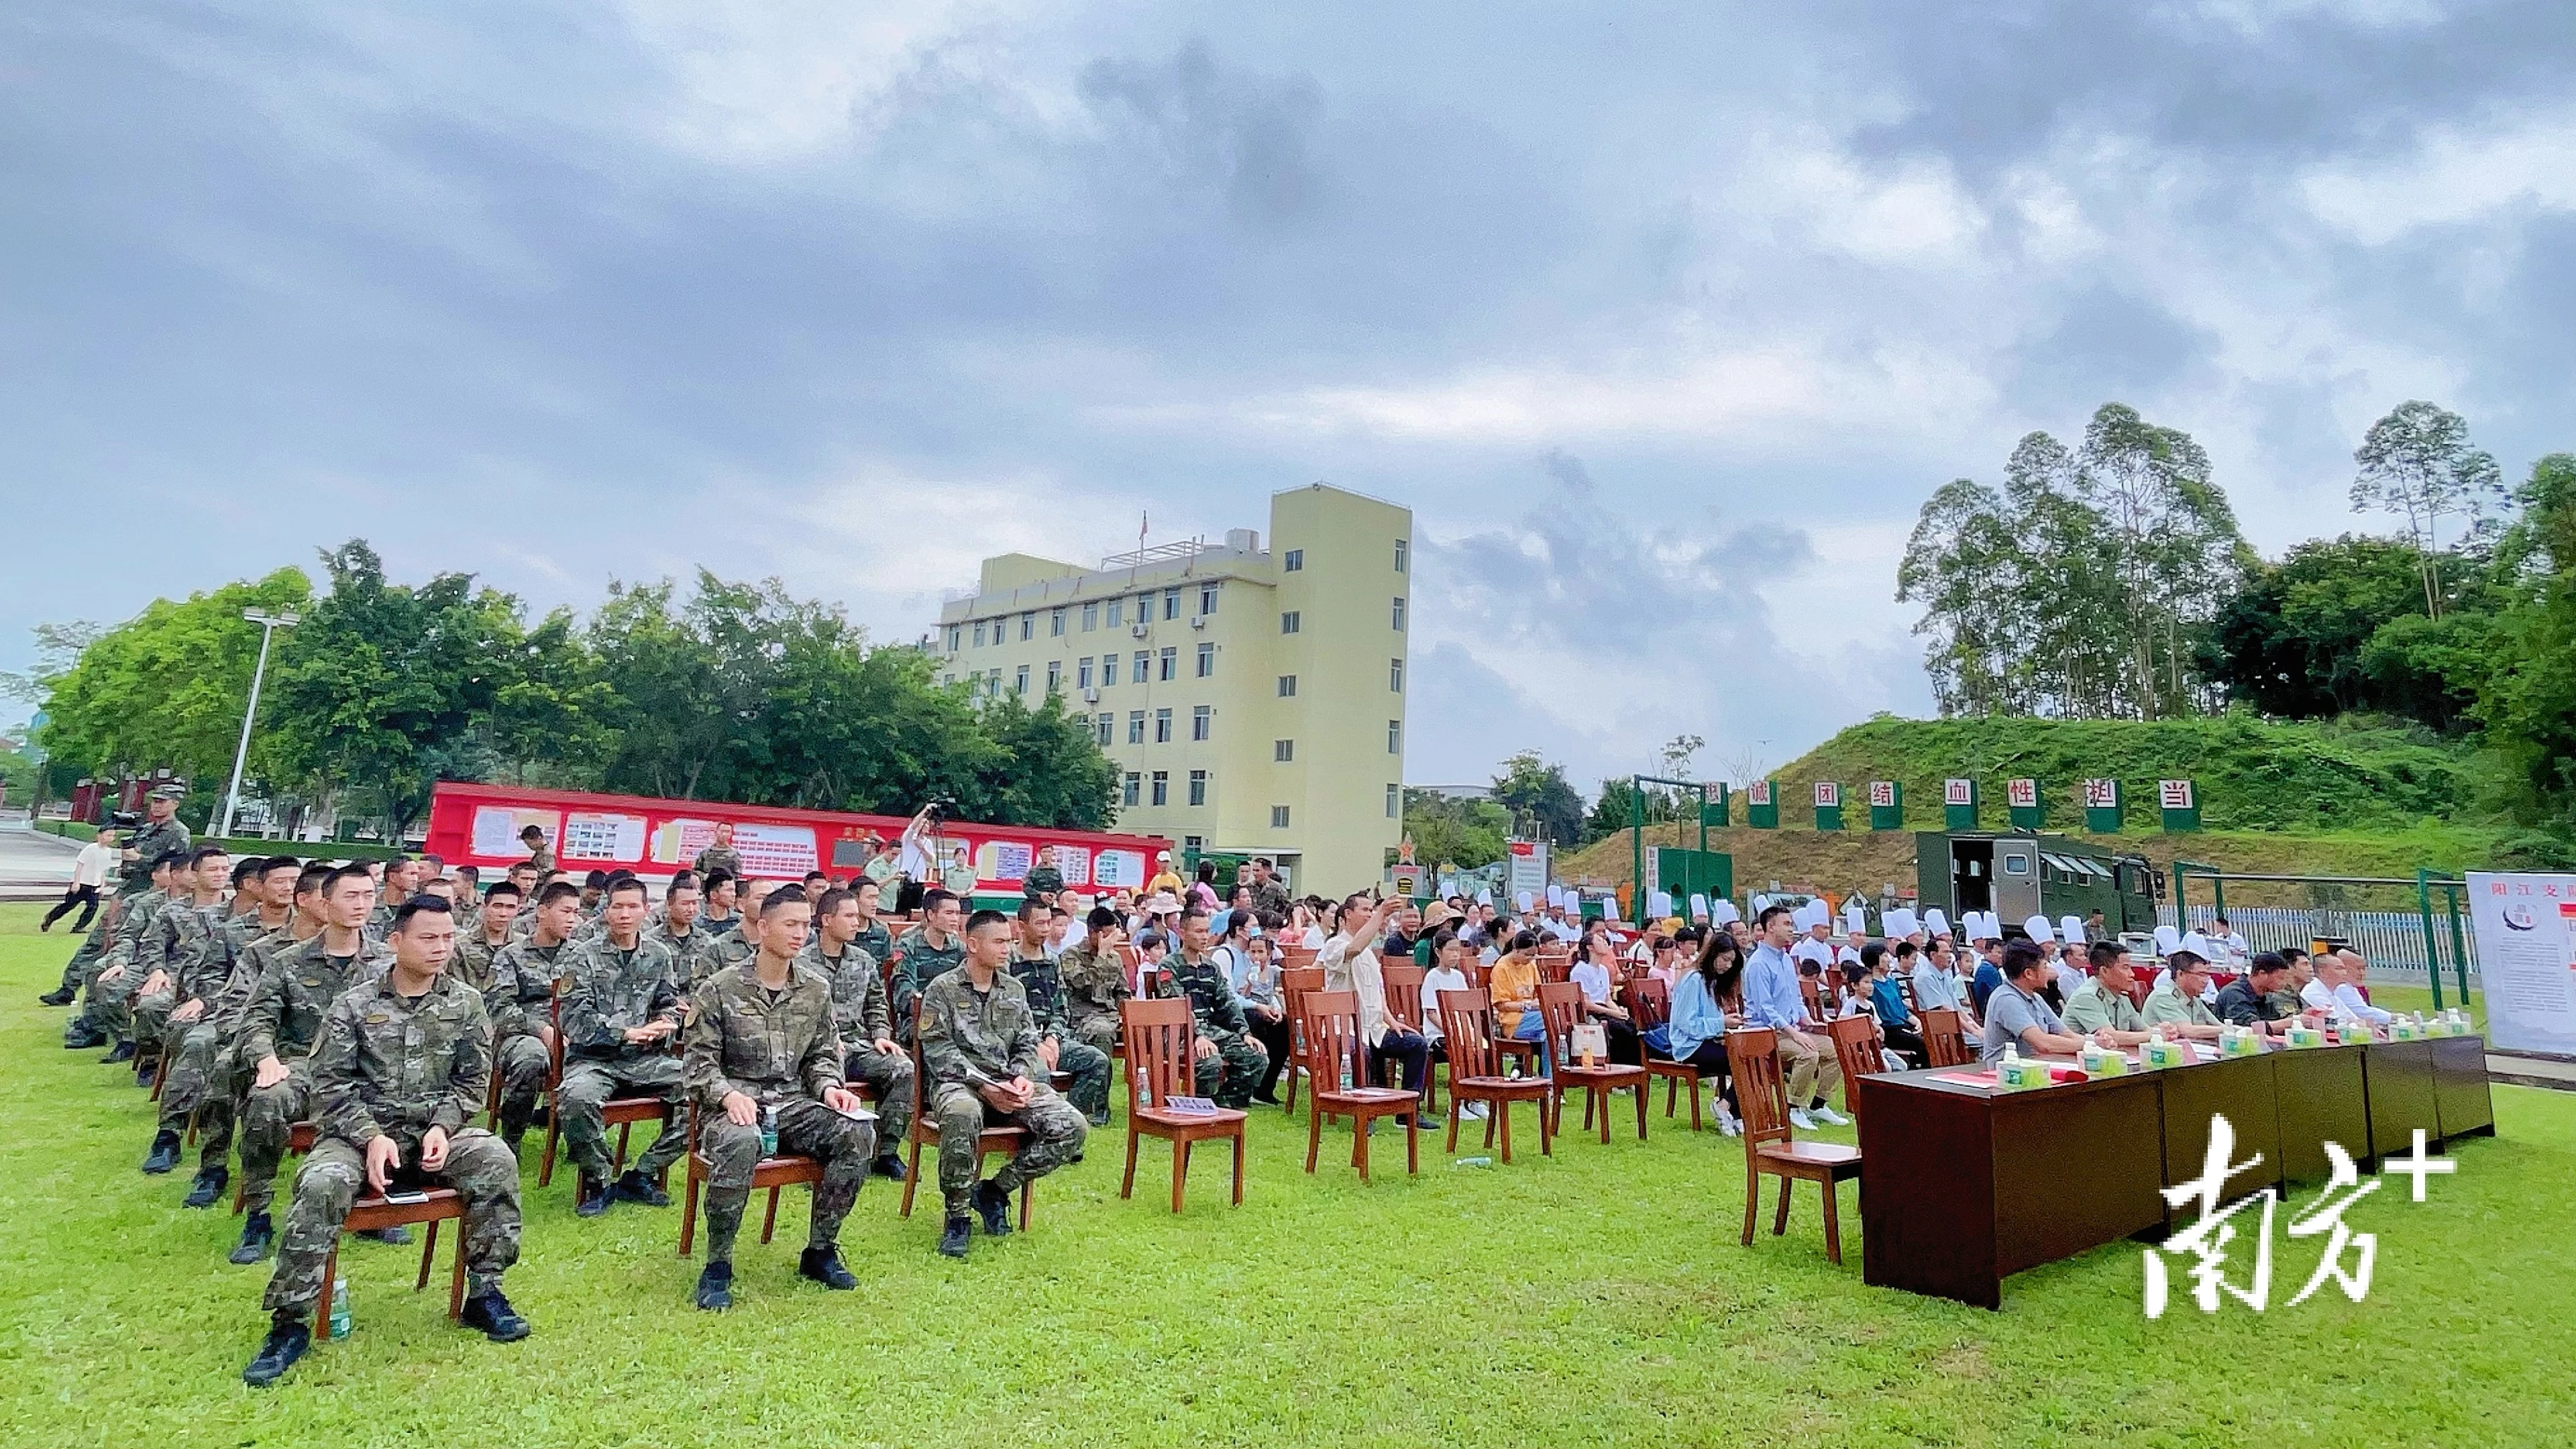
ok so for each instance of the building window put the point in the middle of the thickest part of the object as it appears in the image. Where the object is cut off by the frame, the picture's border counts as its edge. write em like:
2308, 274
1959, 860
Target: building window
1288, 622
1091, 616
1395, 737
1028, 626
1207, 660
1399, 613
1116, 608
1163, 726
1207, 598
1278, 817
1283, 751
1130, 788
1141, 667
979, 633
1082, 672
1202, 717
1135, 727
1108, 670
1171, 663
954, 634
1020, 682
1395, 793
1055, 622
1055, 676
1287, 686
1162, 787
1395, 675
1108, 724
948, 679
1171, 603
1198, 787
1402, 549
1145, 608
1296, 560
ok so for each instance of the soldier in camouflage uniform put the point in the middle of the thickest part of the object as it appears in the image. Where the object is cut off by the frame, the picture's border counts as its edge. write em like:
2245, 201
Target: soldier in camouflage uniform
524, 977
721, 855
859, 1015
924, 954
762, 1052
979, 1051
1036, 972
401, 879
1229, 1062
402, 1067
160, 834
479, 944
1269, 897
282, 1027
1043, 880
621, 1009
1094, 975
191, 952
873, 937
207, 1077
693, 947
107, 1007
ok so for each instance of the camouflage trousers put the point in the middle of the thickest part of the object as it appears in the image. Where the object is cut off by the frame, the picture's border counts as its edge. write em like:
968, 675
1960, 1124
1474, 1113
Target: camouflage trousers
1089, 1068
268, 1117
1231, 1075
84, 963
200, 1083
108, 1006
1100, 1033
588, 1085
151, 1017
1054, 1125
889, 1079
481, 1170
521, 1062
806, 1128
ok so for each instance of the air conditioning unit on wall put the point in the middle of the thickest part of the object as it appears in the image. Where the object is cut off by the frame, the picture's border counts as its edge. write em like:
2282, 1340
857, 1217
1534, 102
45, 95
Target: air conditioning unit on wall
1137, 629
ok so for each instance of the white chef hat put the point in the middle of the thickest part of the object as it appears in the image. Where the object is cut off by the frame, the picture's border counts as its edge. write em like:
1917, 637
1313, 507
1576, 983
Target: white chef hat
2168, 940
2070, 929
1484, 898
2039, 929
1698, 906
1523, 902
1855, 916
1659, 904
1986, 927
1935, 922
1900, 923
2194, 944
1810, 915
1723, 912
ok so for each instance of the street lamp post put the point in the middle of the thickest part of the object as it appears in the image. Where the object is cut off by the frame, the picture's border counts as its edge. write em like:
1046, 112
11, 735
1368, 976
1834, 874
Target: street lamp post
268, 624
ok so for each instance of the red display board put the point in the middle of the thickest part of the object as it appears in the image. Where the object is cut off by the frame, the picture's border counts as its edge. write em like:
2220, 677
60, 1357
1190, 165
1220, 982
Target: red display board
479, 825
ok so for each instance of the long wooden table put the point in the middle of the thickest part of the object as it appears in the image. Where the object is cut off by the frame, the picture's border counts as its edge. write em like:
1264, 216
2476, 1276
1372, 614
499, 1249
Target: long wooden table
1963, 1186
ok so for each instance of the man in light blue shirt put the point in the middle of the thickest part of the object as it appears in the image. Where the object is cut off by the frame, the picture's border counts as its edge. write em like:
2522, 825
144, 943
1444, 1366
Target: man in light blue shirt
1771, 999
1936, 988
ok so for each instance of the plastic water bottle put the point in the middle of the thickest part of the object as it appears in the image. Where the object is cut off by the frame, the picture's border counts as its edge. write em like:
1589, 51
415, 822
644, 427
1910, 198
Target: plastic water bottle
340, 1307
1473, 1162
769, 1132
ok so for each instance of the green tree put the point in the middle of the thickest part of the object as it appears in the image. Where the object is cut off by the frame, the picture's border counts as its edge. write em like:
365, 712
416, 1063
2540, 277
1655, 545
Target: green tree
1535, 791
2418, 463
550, 707
1051, 770
666, 720
1463, 833
2527, 693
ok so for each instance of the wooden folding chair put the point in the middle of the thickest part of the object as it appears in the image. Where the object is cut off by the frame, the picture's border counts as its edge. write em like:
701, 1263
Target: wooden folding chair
1650, 1005
1753, 1056
771, 1173
1476, 1073
1856, 1048
1159, 1035
375, 1214
1294, 983
1561, 1004
1330, 1023
1945, 1042
925, 1133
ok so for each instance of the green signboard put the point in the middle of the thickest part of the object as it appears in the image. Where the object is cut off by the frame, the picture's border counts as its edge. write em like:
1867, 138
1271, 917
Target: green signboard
1713, 810
1958, 804
1829, 805
2102, 806
1886, 805
1762, 804
2022, 798
2180, 802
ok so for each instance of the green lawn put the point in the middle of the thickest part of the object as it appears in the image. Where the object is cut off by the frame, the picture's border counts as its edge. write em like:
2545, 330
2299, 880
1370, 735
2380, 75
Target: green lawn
1600, 1297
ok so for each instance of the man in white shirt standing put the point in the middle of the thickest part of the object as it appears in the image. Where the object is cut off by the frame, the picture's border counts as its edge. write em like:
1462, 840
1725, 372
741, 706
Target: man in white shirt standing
2233, 950
89, 874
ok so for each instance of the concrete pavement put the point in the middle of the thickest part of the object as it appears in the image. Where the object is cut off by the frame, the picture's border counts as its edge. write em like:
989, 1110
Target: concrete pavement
33, 865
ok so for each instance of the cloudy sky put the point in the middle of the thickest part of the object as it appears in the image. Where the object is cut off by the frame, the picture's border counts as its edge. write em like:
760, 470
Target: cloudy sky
1663, 319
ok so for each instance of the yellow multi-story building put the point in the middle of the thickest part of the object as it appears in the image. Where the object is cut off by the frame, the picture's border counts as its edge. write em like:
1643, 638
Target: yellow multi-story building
1252, 698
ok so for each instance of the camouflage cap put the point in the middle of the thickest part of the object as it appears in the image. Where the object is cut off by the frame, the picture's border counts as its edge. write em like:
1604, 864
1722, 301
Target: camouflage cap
172, 791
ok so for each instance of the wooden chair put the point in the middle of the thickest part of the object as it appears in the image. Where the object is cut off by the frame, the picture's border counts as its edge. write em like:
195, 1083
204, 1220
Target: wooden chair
1856, 1048
772, 1173
1294, 983
1650, 1005
1330, 1023
1753, 1056
299, 1140
375, 1214
1403, 984
554, 1056
925, 1131
1159, 1036
1561, 1003
1555, 967
1811, 993
621, 1113
1476, 1073
1945, 1042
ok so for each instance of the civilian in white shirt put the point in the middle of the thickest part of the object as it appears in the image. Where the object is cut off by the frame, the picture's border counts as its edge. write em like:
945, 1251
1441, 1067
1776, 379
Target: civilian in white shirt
1362, 925
2336, 990
2234, 950
1449, 953
89, 875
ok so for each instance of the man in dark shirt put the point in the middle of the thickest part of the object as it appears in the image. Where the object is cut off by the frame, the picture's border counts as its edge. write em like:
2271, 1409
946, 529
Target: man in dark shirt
2249, 1000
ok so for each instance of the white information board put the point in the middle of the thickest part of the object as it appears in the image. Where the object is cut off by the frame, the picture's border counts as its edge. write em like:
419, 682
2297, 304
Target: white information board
2526, 932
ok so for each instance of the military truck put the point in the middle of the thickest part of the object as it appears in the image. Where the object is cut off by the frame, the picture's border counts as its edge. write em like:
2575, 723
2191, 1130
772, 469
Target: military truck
2017, 876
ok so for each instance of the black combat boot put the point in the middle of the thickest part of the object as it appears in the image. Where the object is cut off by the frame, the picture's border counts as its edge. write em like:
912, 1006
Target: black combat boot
285, 1344
57, 997
591, 1198
634, 1186
823, 1265
953, 1235
715, 1287
994, 1205
889, 1165
256, 1239
493, 1314
80, 1036
209, 1186
164, 1154
124, 1052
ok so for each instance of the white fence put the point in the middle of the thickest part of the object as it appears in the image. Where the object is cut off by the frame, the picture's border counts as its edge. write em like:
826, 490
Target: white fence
2391, 941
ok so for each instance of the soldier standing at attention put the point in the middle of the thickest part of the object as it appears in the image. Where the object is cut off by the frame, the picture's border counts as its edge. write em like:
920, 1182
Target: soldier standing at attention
925, 953
478, 946
720, 856
1036, 972
1094, 975
621, 1007
280, 1030
1228, 1063
1043, 880
401, 1070
692, 946
979, 1045
1269, 897
107, 1013
522, 1009
194, 961
859, 1016
762, 1054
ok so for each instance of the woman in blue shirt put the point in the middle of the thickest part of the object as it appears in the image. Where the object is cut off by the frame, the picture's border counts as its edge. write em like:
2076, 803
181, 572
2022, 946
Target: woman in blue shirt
1696, 1033
1887, 1001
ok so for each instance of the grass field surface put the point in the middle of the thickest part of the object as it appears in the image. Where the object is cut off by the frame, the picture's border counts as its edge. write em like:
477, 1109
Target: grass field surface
1600, 1297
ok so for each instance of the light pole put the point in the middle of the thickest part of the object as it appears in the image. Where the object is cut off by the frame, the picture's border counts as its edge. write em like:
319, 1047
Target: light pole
268, 624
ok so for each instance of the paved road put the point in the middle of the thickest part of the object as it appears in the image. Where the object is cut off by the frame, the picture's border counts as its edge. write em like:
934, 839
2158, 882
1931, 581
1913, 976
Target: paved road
33, 866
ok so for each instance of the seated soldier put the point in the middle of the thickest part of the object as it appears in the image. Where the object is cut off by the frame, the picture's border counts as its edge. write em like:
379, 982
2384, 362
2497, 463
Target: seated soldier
1094, 973
1039, 976
979, 1047
2175, 1004
524, 981
763, 1057
107, 1007
873, 937
200, 1085
2102, 1005
680, 925
621, 1007
187, 960
401, 1069
859, 1015
479, 944
282, 1026
1226, 1061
